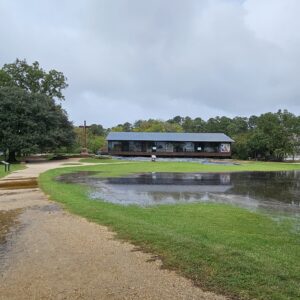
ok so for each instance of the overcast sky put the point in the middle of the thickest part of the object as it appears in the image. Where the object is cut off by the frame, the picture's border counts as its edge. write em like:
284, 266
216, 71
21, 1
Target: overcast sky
133, 59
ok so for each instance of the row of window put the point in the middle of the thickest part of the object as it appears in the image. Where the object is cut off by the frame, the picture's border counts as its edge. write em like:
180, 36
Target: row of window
135, 146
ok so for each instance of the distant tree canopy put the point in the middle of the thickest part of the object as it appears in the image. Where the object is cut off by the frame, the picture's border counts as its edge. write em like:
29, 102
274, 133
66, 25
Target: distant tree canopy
30, 119
96, 129
95, 138
270, 136
149, 126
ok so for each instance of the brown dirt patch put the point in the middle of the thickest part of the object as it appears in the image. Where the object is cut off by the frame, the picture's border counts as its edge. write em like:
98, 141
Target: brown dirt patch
7, 220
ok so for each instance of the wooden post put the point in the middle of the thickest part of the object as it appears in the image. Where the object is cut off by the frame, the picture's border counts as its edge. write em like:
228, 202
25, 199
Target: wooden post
84, 148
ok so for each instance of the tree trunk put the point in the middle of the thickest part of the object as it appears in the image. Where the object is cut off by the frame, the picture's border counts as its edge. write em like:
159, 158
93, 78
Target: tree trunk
12, 156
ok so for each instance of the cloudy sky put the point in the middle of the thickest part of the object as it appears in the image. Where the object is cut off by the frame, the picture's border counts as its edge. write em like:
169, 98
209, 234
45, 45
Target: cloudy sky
133, 59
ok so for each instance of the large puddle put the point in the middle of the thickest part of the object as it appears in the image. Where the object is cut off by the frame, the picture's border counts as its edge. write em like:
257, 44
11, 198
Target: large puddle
271, 191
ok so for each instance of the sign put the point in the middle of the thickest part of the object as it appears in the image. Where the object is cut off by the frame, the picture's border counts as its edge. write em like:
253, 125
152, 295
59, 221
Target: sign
225, 148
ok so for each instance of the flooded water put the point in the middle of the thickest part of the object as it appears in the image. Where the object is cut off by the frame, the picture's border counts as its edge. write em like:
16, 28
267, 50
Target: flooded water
268, 191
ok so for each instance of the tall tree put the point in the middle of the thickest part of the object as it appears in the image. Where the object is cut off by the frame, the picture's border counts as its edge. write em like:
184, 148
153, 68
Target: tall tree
31, 122
127, 127
218, 124
187, 124
34, 79
97, 129
274, 135
178, 120
152, 125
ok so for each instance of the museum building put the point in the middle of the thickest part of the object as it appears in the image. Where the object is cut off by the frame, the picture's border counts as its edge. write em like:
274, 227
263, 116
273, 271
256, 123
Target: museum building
169, 144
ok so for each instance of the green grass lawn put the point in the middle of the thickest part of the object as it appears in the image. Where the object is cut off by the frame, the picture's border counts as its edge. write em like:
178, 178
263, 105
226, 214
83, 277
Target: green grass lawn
13, 167
222, 248
135, 166
100, 160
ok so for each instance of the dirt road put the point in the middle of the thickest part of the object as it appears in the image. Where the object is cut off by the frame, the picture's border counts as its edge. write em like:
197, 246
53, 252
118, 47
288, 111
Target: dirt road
48, 253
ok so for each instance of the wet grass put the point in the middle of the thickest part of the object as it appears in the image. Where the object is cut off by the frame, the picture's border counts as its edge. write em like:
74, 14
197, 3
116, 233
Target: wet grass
198, 167
13, 167
222, 248
135, 167
99, 160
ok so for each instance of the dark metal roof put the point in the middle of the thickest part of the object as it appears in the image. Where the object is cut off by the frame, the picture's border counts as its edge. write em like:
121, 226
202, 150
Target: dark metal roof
168, 137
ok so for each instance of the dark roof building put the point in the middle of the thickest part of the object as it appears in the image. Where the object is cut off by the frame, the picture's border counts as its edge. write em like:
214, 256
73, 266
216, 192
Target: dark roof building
169, 144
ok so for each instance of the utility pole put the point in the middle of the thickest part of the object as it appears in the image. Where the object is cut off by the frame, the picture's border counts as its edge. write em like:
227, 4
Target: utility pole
84, 127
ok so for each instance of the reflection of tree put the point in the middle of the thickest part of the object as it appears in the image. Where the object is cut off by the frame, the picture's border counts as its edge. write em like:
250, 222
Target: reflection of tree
174, 179
174, 197
189, 187
279, 186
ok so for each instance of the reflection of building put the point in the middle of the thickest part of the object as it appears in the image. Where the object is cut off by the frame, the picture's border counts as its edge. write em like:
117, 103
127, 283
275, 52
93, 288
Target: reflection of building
163, 187
169, 144
171, 188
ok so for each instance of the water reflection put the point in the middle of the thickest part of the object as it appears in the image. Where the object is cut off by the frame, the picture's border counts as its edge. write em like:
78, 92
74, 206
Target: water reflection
275, 191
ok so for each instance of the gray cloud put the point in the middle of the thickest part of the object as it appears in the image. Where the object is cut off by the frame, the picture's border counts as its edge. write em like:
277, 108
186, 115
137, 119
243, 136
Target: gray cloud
132, 59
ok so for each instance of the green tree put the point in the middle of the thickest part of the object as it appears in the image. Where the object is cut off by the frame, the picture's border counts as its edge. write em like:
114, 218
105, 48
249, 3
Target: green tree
291, 125
97, 129
95, 143
152, 125
177, 120
190, 125
31, 122
268, 136
118, 128
126, 127
34, 79
187, 124
218, 124
274, 135
240, 148
237, 125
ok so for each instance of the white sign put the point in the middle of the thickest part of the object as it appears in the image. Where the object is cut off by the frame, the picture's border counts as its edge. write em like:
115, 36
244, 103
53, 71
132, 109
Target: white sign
224, 148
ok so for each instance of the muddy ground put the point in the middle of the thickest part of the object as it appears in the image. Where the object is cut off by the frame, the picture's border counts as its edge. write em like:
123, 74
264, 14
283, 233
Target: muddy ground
48, 253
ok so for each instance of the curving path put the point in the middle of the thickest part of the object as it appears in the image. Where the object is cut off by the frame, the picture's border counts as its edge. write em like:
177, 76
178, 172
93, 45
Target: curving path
51, 254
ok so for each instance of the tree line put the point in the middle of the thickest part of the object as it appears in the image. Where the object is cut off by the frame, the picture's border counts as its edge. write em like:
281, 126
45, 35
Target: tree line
269, 136
32, 120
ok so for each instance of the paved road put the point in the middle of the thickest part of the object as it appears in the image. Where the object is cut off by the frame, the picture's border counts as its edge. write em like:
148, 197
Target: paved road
51, 254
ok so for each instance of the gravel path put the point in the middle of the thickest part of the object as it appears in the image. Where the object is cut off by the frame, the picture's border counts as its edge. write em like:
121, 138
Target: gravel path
51, 254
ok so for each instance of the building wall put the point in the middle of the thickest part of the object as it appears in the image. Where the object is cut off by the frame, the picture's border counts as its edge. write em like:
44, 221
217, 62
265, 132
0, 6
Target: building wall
168, 147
